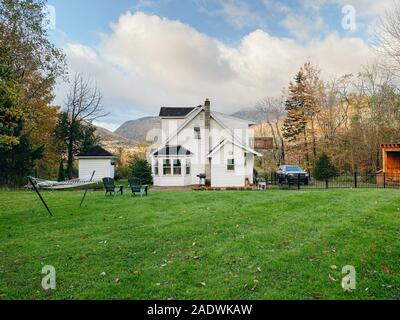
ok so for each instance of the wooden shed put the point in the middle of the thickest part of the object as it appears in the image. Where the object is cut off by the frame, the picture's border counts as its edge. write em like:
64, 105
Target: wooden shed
391, 158
390, 173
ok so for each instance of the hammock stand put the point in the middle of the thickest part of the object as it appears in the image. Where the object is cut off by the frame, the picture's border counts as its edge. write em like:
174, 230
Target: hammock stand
54, 185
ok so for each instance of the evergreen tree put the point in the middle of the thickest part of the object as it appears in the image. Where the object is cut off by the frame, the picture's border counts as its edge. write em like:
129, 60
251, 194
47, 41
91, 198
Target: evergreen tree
61, 171
302, 106
295, 122
140, 168
324, 168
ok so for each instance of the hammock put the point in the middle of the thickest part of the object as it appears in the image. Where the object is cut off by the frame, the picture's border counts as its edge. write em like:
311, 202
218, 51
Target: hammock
54, 185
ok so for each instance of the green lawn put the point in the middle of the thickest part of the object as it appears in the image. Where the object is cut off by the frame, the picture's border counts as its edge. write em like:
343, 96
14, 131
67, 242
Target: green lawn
202, 245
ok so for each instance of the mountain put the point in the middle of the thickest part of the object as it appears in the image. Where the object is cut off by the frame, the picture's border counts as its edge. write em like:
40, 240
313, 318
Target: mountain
112, 140
136, 130
250, 114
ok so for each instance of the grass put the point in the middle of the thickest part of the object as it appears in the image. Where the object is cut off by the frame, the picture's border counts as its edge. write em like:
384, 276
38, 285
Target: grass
202, 245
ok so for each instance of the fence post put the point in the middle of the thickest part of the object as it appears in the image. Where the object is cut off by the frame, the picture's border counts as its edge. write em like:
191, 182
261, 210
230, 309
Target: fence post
298, 181
384, 180
326, 184
355, 180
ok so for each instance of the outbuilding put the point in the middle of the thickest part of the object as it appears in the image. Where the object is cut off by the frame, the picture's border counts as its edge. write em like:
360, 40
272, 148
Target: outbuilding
96, 159
390, 173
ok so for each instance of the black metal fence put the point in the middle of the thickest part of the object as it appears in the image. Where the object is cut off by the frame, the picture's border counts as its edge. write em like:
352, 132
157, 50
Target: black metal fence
356, 180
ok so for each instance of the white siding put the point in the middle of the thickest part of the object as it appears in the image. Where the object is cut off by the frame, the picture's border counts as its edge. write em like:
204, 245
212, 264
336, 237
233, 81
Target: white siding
103, 169
220, 176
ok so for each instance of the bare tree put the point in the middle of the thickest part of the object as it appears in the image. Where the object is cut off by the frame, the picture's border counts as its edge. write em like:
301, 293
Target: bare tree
389, 35
273, 110
82, 107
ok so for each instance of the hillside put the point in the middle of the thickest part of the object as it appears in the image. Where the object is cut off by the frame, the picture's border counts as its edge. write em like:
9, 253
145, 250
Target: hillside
112, 140
136, 130
250, 114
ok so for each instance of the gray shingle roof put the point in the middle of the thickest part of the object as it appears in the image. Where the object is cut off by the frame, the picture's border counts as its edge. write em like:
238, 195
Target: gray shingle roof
97, 151
175, 111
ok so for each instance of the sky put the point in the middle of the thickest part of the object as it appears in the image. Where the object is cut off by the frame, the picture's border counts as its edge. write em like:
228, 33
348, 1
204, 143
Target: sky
144, 54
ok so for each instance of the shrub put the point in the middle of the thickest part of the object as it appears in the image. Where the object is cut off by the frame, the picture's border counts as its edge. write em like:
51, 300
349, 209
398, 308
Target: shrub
122, 172
324, 168
140, 168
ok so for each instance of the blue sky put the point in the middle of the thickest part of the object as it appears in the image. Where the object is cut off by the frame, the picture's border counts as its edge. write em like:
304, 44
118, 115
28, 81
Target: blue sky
85, 20
238, 39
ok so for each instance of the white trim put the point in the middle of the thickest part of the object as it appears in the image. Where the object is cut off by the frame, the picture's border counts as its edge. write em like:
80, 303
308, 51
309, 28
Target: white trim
217, 148
190, 117
96, 157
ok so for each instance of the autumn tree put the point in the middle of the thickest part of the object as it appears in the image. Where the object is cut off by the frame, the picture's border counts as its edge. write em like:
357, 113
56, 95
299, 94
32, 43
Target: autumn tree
302, 107
29, 67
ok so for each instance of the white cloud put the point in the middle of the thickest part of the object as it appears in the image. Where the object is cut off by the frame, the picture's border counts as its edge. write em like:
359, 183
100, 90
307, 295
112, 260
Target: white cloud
148, 61
235, 12
368, 7
302, 27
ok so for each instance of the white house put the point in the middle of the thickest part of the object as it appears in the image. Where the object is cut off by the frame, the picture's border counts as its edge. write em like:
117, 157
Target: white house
96, 159
197, 142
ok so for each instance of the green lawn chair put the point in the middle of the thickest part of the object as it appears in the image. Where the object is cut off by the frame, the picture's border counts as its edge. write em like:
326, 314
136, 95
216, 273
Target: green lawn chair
137, 187
109, 186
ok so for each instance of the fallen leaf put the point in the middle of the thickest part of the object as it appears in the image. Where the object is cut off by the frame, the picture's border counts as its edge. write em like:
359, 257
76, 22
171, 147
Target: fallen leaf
258, 269
103, 274
255, 285
332, 278
82, 257
385, 269
203, 284
117, 280
333, 267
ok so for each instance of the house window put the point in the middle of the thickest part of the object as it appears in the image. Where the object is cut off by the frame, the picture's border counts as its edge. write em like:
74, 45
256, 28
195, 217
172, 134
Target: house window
177, 167
188, 167
197, 133
167, 167
231, 165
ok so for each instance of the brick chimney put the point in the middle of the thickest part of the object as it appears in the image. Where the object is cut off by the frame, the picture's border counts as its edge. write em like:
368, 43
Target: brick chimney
207, 128
207, 118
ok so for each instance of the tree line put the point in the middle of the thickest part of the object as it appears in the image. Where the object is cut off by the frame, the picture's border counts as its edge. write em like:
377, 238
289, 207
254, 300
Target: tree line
345, 119
36, 136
